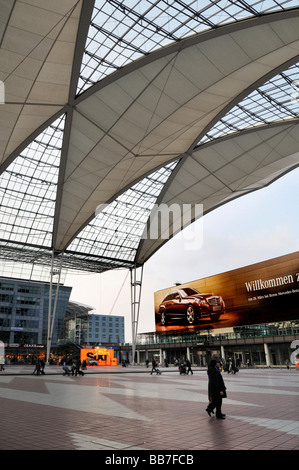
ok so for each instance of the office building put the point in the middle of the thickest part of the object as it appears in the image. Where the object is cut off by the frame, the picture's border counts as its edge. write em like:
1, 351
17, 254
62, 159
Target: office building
24, 307
106, 329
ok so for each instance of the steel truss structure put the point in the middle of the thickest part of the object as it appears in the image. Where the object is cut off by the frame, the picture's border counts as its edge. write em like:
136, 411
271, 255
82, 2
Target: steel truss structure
109, 108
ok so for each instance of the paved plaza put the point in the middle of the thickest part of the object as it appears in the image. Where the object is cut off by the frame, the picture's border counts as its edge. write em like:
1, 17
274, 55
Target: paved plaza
128, 409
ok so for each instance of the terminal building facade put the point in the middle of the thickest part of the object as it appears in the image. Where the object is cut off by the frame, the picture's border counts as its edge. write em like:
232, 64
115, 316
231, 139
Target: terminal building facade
251, 346
106, 329
248, 315
24, 319
24, 307
189, 109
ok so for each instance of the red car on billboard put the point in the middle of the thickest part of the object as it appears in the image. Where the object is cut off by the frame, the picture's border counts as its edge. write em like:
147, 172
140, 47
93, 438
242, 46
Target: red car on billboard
188, 304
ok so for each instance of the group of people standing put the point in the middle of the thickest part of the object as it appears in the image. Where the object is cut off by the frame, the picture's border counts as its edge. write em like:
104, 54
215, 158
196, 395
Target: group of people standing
76, 368
230, 366
184, 366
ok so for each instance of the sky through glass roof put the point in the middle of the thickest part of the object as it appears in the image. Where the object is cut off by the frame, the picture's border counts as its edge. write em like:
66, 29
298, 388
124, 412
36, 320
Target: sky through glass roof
121, 32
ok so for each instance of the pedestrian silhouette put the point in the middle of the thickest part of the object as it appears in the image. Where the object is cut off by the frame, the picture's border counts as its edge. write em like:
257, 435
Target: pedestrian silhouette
216, 390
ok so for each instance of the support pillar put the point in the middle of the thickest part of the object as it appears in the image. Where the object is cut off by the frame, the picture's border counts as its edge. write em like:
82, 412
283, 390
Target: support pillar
222, 353
136, 285
188, 354
161, 357
51, 313
267, 354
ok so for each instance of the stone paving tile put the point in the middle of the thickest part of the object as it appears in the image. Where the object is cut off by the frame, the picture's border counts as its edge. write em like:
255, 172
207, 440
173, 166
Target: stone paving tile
132, 410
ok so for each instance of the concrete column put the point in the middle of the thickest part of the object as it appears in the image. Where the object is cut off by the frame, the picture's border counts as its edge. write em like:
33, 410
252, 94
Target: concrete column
188, 354
222, 352
163, 356
267, 354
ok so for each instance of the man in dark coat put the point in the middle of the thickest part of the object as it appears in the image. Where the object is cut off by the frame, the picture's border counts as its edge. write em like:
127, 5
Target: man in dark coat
154, 366
216, 390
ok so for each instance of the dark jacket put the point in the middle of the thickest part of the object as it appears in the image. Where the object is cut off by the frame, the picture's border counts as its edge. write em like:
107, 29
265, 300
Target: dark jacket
216, 383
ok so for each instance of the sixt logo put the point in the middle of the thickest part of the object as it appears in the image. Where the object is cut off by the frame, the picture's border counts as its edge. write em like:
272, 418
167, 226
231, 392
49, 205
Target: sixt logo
97, 357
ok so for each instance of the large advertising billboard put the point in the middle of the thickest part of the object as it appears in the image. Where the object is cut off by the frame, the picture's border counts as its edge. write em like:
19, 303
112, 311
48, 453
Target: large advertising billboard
260, 293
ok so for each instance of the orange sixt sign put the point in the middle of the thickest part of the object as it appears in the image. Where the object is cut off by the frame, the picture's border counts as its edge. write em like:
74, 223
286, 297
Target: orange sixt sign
98, 356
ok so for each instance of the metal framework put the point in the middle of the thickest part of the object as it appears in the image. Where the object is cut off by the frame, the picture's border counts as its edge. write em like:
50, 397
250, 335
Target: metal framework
273, 101
117, 34
136, 288
121, 33
109, 43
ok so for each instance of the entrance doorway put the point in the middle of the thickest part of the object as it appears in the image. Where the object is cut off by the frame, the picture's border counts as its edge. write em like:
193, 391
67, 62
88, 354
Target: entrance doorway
273, 355
238, 358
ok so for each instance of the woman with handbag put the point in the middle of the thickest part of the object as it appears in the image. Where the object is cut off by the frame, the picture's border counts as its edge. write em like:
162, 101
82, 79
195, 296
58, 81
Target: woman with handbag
216, 390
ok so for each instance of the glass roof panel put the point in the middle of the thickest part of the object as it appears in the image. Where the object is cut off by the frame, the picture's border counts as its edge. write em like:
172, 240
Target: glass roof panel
123, 31
28, 190
29, 271
276, 100
116, 231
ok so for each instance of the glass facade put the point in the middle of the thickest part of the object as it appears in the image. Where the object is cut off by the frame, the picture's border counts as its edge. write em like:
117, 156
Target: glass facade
246, 345
106, 329
120, 33
24, 310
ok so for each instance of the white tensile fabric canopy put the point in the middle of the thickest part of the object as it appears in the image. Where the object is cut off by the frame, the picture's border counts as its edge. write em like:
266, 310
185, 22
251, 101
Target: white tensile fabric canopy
38, 42
82, 168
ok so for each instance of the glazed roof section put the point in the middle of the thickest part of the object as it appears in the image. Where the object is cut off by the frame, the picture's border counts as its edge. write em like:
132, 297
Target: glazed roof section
139, 121
123, 31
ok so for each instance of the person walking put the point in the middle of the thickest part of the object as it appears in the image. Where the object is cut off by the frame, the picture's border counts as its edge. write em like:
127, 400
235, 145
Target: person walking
154, 366
188, 365
75, 367
42, 367
78, 367
2, 361
37, 368
216, 390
